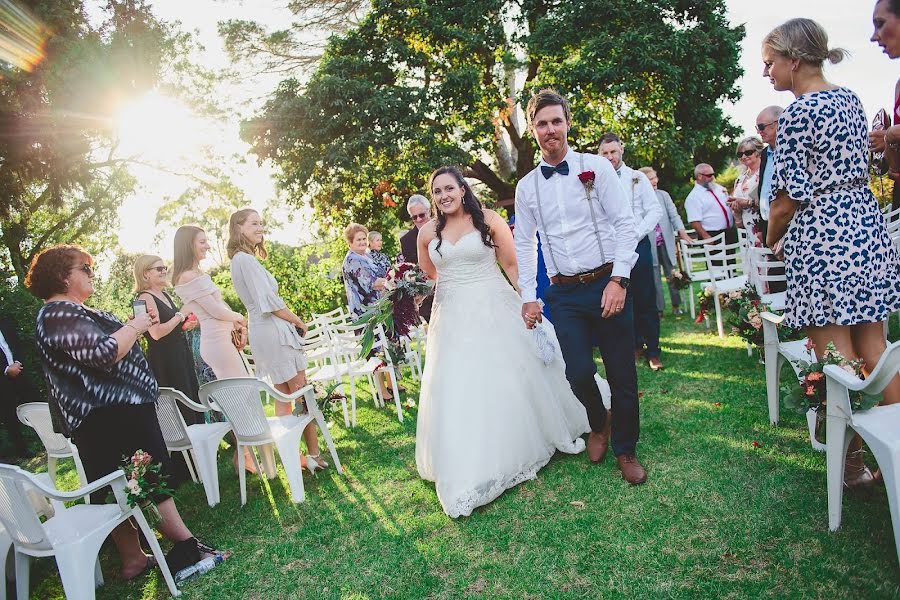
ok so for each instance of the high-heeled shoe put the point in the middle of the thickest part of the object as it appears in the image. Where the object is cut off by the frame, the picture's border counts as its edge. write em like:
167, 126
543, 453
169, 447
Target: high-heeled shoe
856, 475
315, 462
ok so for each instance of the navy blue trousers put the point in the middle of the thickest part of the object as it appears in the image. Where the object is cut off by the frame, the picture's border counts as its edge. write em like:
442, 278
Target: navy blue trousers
643, 291
579, 326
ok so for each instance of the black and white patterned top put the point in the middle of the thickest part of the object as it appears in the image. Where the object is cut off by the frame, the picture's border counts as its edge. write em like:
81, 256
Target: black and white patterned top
78, 355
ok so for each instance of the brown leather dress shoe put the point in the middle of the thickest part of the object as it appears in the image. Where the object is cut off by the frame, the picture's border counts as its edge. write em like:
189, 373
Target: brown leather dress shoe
632, 471
597, 445
655, 364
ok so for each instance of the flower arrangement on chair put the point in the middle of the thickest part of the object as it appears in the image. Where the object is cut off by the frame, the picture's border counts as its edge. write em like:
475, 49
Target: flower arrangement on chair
808, 390
144, 480
745, 308
679, 279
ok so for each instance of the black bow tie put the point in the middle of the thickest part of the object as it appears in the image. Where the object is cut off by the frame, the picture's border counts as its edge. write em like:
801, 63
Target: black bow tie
562, 168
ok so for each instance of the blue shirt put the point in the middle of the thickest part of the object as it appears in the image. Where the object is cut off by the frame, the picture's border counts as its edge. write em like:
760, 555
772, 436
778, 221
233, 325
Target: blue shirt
767, 176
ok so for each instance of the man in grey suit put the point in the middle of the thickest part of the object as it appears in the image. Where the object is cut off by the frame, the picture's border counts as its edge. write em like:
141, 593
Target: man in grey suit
663, 251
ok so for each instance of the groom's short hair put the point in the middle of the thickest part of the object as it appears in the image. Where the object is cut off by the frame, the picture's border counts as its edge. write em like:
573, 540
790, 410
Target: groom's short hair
544, 98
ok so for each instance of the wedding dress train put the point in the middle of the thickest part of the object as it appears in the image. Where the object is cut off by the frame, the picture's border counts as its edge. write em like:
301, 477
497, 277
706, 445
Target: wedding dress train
491, 413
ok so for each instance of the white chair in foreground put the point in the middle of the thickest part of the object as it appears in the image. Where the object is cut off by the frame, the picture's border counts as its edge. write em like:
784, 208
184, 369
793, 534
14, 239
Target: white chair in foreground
725, 264
198, 443
73, 536
879, 428
37, 416
239, 399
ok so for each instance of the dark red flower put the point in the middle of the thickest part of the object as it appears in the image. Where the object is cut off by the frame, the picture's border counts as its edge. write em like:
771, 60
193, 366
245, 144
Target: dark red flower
717, 404
586, 176
756, 444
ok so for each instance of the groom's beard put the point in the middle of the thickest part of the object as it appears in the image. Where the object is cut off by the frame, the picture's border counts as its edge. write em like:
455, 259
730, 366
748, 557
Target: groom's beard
706, 184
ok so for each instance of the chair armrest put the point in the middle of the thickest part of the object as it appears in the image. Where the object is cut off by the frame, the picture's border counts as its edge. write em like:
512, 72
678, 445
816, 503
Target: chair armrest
845, 378
181, 397
282, 397
114, 479
771, 318
883, 373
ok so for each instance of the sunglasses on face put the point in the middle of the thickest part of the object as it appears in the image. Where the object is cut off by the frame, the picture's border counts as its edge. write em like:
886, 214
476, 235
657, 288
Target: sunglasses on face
86, 269
746, 153
760, 127
707, 175
162, 269
419, 216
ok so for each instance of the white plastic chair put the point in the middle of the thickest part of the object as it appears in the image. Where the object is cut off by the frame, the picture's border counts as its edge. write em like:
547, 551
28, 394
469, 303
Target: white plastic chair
198, 443
73, 536
239, 399
879, 427
761, 264
37, 416
725, 265
693, 258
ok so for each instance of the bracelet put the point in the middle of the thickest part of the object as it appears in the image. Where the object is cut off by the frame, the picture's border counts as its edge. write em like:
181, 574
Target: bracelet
133, 327
181, 314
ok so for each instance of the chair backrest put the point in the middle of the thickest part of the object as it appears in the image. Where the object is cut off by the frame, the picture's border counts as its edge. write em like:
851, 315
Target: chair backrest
171, 422
693, 256
37, 416
239, 398
17, 514
724, 260
761, 263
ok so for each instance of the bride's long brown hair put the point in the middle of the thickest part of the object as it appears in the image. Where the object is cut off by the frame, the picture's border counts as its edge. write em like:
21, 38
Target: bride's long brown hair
470, 205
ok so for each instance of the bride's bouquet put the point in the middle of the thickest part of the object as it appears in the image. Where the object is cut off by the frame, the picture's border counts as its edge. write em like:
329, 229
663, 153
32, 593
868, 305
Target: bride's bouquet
398, 308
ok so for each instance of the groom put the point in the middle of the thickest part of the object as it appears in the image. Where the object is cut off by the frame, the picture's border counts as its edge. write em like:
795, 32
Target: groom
576, 204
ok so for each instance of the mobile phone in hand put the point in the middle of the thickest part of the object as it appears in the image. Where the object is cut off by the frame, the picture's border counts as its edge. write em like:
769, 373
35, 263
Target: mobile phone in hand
139, 307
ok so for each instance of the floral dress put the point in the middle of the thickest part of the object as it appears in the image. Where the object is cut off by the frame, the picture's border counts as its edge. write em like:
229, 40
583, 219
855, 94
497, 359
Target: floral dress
840, 263
360, 274
745, 189
382, 262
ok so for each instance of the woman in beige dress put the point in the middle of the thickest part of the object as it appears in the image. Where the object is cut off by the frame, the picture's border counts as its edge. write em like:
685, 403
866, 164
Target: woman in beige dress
276, 333
202, 297
744, 200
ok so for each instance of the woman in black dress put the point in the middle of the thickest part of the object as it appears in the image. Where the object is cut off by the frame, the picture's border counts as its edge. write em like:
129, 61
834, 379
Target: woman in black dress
168, 352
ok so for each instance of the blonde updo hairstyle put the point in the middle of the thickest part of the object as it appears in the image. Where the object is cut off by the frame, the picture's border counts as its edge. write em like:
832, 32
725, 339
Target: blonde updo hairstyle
804, 40
351, 231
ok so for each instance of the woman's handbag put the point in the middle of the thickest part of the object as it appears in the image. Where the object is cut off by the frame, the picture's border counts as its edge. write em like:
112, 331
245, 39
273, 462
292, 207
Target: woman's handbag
239, 338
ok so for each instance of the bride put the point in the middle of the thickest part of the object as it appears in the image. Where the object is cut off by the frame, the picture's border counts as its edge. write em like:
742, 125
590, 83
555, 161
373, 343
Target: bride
491, 413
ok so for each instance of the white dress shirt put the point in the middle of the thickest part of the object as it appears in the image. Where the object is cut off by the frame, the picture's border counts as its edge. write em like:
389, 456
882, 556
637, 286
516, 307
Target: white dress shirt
570, 241
4, 347
701, 206
644, 204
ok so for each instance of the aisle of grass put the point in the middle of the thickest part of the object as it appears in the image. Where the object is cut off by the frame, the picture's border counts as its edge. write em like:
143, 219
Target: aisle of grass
718, 516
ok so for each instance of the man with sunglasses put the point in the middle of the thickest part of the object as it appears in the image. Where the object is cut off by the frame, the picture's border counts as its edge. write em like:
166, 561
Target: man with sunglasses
419, 209
767, 127
707, 206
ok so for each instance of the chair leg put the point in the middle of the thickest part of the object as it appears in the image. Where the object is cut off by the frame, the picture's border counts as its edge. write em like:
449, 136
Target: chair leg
811, 416
323, 427
157, 552
719, 327
23, 572
242, 474
190, 465
892, 485
98, 573
267, 454
77, 570
774, 361
353, 401
289, 451
835, 453
344, 406
396, 394
205, 455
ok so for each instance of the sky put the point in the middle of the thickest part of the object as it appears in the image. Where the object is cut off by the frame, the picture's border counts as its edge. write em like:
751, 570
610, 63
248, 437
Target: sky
867, 71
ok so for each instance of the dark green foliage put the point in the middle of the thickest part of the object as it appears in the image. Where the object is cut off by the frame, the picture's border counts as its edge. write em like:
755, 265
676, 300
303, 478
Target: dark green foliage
420, 84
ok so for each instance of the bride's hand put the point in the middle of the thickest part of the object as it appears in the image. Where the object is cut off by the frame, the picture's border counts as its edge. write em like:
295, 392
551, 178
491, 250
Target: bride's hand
531, 314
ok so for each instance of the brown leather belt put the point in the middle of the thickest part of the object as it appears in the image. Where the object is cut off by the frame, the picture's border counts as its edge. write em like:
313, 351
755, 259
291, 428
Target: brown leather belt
586, 277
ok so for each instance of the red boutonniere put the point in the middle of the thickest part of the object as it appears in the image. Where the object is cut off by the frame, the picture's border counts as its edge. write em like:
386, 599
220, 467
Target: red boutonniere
587, 180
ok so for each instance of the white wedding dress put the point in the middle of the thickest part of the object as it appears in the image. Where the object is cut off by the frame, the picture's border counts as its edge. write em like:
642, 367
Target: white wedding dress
491, 413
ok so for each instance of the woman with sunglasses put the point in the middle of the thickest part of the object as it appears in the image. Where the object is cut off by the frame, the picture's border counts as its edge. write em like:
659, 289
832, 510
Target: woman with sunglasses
744, 200
102, 392
168, 352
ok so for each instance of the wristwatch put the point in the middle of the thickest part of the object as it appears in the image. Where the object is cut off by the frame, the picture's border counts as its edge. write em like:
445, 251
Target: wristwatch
181, 316
623, 282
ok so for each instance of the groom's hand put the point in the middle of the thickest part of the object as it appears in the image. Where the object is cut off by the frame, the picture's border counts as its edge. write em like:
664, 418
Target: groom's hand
531, 314
613, 300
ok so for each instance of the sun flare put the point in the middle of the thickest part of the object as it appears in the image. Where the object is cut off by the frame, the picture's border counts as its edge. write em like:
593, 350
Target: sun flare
156, 127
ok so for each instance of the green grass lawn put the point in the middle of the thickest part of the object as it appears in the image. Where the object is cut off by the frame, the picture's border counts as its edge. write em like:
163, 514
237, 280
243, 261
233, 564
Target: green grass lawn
717, 517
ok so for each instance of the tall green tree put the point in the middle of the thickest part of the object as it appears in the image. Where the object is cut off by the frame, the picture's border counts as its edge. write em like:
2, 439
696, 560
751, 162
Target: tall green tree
419, 84
62, 178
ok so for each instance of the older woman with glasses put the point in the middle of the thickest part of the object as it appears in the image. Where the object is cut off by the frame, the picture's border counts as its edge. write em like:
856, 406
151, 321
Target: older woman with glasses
102, 392
744, 199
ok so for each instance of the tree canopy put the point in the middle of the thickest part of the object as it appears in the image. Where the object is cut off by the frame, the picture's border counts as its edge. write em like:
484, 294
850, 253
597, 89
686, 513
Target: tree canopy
61, 176
420, 84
